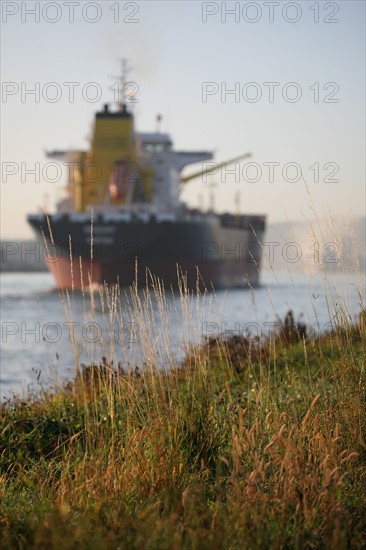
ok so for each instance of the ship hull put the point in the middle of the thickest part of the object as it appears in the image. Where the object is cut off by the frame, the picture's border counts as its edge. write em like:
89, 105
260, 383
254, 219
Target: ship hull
210, 250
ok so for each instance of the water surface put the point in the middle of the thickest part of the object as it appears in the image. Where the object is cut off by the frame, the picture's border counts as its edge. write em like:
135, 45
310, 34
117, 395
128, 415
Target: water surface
45, 336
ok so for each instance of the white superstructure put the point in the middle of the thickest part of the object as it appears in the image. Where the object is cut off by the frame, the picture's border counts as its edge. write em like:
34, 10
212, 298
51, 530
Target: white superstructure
155, 150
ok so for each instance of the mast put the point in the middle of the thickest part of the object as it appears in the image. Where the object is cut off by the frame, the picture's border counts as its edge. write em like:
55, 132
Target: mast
237, 200
122, 84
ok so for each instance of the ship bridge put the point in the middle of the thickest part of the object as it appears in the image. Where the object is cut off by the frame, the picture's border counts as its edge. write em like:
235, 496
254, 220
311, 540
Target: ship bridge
154, 141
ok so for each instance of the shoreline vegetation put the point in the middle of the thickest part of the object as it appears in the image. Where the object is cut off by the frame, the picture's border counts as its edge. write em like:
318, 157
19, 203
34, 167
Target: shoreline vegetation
250, 443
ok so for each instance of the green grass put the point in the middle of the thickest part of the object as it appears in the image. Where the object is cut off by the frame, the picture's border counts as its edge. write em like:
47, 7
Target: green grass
249, 444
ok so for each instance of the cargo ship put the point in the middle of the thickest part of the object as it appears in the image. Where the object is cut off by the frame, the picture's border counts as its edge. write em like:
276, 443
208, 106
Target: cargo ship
123, 222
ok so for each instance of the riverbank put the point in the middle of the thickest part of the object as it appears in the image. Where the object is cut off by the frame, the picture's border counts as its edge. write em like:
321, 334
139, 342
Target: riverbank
250, 444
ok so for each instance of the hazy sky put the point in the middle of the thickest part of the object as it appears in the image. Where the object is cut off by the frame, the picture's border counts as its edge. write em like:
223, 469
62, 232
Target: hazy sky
303, 62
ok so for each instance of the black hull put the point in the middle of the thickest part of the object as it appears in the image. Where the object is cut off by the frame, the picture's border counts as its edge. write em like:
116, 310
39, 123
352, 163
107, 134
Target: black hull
213, 249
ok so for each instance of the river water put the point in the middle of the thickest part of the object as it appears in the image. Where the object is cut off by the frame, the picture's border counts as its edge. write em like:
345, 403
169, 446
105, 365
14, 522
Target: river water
44, 335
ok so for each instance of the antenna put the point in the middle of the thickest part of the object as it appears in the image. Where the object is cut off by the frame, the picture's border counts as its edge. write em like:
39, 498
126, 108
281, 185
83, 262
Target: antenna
122, 82
158, 123
212, 186
237, 198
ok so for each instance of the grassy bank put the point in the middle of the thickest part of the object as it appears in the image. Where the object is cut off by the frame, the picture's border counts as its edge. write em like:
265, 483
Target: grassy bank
251, 444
